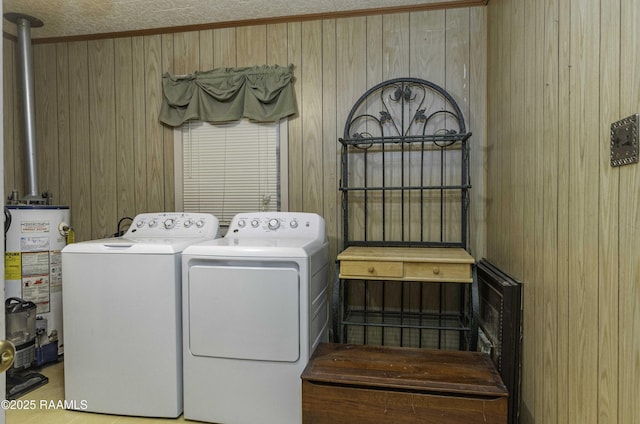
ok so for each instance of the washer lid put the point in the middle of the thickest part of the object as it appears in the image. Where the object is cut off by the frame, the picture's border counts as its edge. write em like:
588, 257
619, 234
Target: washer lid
125, 245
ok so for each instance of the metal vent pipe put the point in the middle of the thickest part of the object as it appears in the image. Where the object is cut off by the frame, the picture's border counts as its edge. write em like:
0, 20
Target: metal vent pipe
24, 24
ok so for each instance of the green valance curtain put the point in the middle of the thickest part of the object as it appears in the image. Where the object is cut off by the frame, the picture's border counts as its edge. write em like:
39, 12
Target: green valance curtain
260, 93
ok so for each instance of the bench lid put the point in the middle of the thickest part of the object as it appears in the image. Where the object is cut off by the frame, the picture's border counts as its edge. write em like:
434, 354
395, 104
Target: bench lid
401, 368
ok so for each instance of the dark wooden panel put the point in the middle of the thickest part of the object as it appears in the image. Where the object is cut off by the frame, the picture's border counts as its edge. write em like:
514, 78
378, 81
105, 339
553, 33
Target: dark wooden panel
324, 404
374, 384
501, 325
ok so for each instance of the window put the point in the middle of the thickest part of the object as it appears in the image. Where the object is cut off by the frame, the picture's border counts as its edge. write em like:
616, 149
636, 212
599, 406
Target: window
225, 169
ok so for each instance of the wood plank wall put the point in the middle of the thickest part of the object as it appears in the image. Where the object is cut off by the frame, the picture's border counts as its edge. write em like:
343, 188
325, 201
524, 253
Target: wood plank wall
559, 217
102, 150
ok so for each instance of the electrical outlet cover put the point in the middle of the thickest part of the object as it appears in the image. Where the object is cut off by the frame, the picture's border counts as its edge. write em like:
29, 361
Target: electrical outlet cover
624, 141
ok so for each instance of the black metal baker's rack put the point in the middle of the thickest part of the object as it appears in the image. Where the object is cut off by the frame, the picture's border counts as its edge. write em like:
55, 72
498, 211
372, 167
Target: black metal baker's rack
405, 182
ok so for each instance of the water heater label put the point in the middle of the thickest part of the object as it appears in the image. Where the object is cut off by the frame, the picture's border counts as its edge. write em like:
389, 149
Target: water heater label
34, 244
35, 226
36, 290
35, 263
12, 266
55, 271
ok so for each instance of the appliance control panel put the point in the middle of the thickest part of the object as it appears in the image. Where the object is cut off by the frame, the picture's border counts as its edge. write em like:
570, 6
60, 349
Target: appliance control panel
277, 224
174, 224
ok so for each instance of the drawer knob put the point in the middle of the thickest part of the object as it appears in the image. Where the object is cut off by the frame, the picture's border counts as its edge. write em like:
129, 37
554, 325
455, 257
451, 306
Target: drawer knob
371, 269
436, 270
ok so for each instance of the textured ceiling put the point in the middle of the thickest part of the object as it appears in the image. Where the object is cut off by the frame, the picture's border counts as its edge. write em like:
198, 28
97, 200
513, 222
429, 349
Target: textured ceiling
64, 18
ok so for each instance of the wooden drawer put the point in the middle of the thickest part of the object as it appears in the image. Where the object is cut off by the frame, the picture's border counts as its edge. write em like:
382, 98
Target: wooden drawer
446, 265
369, 269
375, 384
437, 271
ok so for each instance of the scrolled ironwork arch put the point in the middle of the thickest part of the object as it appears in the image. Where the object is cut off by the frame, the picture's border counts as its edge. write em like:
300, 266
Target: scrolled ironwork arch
403, 90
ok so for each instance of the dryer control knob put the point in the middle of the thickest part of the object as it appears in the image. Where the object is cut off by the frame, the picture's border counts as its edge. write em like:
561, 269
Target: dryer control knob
241, 223
293, 224
188, 223
255, 223
169, 223
200, 223
140, 224
152, 223
274, 224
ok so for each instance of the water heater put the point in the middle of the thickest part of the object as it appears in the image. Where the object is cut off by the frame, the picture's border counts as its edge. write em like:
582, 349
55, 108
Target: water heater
34, 237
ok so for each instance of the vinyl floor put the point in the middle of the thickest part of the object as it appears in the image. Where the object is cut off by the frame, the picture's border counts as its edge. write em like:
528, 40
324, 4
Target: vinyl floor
46, 407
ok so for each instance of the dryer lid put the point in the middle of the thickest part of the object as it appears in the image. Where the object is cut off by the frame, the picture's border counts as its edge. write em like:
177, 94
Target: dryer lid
256, 247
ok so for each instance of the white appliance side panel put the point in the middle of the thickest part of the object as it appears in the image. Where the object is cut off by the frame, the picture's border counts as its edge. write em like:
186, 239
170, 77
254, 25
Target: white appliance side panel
242, 392
122, 321
318, 309
247, 313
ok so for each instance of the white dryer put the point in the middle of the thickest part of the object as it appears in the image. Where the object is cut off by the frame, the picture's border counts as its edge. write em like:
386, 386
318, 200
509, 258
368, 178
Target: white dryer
122, 316
255, 306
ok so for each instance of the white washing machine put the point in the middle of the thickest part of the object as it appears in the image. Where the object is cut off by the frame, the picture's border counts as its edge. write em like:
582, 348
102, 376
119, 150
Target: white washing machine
122, 316
255, 307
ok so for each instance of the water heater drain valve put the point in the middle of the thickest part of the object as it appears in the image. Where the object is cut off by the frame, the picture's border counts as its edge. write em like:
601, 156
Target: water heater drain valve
66, 231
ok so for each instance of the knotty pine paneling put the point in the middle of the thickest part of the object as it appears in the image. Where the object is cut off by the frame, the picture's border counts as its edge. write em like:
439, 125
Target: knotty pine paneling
548, 290
137, 110
394, 54
169, 60
11, 109
251, 45
62, 193
181, 52
79, 136
609, 372
276, 38
534, 207
354, 71
457, 67
102, 142
477, 122
581, 297
365, 51
155, 152
583, 215
46, 117
224, 48
125, 147
331, 130
294, 125
629, 227
429, 55
205, 46
311, 99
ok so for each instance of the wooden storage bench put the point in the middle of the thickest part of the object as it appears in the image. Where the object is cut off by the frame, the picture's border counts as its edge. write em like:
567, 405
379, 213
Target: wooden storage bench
379, 384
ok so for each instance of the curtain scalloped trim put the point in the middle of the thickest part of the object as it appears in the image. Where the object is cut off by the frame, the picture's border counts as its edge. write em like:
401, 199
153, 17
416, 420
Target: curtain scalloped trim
260, 93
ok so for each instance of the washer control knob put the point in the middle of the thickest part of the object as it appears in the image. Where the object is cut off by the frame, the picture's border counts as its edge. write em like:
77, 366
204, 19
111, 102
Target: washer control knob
293, 224
140, 224
200, 223
188, 223
274, 224
255, 223
153, 223
242, 223
169, 223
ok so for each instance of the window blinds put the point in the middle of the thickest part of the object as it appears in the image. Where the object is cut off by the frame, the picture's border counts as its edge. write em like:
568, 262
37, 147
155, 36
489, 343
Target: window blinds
230, 168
